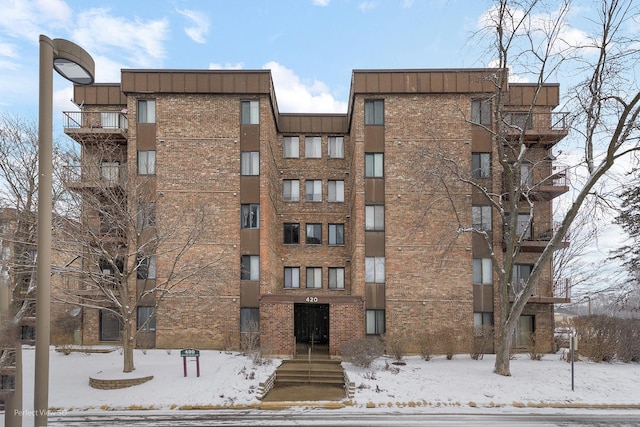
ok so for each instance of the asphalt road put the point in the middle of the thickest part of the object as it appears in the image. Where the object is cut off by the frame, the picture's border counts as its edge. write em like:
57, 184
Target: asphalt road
334, 418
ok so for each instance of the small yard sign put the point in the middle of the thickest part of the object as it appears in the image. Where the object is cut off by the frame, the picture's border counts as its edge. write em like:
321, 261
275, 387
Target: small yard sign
190, 352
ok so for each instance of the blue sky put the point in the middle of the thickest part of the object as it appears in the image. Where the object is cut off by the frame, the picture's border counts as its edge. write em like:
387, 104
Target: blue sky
311, 45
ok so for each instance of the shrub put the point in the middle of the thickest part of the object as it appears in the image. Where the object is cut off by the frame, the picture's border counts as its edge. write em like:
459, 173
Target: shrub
598, 337
482, 341
448, 340
362, 352
534, 349
426, 343
395, 346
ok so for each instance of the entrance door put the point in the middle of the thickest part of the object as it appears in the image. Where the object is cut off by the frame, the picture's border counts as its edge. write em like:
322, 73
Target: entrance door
311, 327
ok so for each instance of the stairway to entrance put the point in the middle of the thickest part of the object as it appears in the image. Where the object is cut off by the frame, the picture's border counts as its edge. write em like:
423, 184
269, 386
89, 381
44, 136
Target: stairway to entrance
308, 380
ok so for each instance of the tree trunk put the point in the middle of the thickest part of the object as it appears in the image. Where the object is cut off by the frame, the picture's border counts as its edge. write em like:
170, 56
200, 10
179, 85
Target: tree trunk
503, 350
128, 344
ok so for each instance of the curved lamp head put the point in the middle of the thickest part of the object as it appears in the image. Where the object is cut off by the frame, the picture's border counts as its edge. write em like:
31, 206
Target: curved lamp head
73, 62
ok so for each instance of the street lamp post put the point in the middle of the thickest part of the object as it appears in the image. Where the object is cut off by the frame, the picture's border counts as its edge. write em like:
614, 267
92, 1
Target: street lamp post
76, 65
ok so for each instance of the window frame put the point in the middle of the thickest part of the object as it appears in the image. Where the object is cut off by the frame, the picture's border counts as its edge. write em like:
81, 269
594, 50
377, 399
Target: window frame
250, 112
146, 114
337, 191
249, 163
480, 165
374, 219
247, 321
374, 112
375, 321
482, 271
336, 235
250, 267
335, 147
313, 278
291, 233
374, 165
291, 278
336, 276
291, 147
316, 190
146, 267
146, 162
101, 325
481, 111
249, 209
147, 312
146, 215
483, 214
293, 184
375, 270
312, 147
316, 227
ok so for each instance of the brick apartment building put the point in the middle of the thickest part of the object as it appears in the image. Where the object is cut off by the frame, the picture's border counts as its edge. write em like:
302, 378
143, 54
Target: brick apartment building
322, 228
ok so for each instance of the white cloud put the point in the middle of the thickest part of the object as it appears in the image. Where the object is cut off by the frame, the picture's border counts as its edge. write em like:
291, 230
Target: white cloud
407, 3
321, 2
8, 50
140, 42
366, 6
200, 27
54, 10
227, 66
296, 96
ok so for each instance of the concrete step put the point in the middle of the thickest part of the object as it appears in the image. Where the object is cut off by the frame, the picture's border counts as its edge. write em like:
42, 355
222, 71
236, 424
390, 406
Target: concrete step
318, 372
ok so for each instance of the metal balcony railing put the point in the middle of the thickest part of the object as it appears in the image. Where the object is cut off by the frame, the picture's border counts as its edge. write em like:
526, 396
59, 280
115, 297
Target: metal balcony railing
96, 120
536, 231
105, 175
522, 121
557, 289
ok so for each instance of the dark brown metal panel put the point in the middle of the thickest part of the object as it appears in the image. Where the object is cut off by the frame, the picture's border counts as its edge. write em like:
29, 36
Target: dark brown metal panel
153, 82
143, 285
146, 136
253, 83
437, 82
477, 196
374, 295
127, 81
411, 82
249, 294
177, 83
249, 137
374, 243
240, 83
449, 82
215, 82
373, 83
116, 96
85, 94
191, 83
424, 82
487, 297
481, 140
140, 82
477, 298
228, 83
165, 82
479, 247
374, 139
374, 190
249, 189
249, 240
384, 82
398, 84
462, 82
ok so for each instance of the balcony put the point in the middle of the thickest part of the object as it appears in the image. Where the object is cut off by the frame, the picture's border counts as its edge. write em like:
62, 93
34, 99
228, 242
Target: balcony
537, 236
542, 182
546, 292
107, 176
536, 128
96, 126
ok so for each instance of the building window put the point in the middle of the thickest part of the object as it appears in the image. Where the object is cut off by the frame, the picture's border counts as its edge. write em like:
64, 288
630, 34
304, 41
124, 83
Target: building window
374, 165
524, 331
250, 163
145, 313
375, 322
481, 111
523, 226
336, 234
482, 319
249, 320
481, 217
250, 216
526, 174
250, 267
110, 172
374, 112
374, 270
110, 326
147, 162
336, 147
314, 234
374, 217
336, 278
291, 147
291, 190
312, 147
291, 233
146, 216
313, 190
335, 191
482, 271
520, 275
146, 267
314, 277
7, 382
146, 111
250, 113
292, 277
481, 165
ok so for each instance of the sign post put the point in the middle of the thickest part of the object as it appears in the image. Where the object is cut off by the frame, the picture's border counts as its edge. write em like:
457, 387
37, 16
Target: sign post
190, 352
574, 347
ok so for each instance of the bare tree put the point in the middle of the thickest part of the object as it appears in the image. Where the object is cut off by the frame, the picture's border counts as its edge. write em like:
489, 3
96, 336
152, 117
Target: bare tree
605, 117
128, 254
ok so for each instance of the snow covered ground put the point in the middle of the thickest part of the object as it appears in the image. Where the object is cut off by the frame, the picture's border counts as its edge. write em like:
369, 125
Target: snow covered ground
231, 379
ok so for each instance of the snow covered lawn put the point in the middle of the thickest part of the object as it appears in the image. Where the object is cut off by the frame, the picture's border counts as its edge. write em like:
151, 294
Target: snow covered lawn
231, 379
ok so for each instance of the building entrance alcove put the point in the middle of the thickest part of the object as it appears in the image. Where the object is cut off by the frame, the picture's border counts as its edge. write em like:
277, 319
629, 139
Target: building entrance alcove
311, 329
